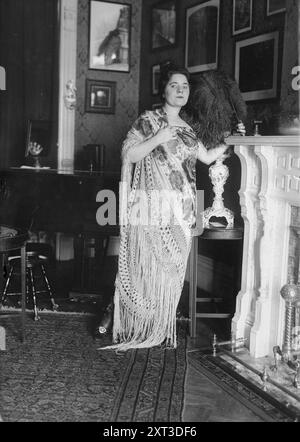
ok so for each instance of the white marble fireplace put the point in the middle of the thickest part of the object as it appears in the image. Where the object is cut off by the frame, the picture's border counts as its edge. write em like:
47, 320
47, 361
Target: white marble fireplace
270, 191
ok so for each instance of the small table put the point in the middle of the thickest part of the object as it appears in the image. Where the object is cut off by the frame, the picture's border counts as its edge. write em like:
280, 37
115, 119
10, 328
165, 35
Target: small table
15, 239
213, 233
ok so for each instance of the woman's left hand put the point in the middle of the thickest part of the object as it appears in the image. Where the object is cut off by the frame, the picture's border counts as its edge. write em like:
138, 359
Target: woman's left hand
229, 152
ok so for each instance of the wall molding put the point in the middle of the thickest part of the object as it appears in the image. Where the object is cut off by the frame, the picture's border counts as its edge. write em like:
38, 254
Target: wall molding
67, 73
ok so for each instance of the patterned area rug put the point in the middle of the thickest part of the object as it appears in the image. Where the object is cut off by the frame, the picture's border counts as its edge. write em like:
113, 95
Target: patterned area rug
261, 403
58, 375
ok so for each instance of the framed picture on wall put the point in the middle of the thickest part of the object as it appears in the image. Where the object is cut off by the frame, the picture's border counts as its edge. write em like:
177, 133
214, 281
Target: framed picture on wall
163, 24
202, 36
100, 96
109, 36
155, 79
256, 66
241, 16
275, 6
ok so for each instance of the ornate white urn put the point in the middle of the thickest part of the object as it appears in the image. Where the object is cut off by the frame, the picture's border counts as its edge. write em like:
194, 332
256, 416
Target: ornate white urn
218, 174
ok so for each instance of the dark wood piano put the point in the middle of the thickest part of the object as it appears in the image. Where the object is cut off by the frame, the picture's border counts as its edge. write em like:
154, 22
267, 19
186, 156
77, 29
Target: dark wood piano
61, 203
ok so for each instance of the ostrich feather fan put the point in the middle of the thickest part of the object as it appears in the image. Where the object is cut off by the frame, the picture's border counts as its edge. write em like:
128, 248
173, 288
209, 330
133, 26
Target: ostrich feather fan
216, 105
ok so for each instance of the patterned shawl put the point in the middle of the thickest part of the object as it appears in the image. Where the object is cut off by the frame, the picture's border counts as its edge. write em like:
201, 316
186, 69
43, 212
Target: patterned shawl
154, 251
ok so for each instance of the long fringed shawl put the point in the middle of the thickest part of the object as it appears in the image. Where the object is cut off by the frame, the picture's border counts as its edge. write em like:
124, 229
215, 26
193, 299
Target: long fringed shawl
153, 256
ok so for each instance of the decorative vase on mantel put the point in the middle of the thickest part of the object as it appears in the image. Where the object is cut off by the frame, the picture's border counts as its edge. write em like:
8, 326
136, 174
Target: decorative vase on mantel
218, 174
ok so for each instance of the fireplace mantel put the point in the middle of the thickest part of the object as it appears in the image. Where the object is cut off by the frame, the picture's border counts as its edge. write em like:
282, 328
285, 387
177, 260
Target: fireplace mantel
270, 187
271, 140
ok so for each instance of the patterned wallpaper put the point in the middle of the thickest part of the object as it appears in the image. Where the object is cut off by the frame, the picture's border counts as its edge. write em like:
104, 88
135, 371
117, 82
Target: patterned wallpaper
109, 129
294, 245
261, 24
289, 97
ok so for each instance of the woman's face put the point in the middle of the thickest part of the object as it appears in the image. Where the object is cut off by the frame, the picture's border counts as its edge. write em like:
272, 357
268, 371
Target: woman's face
177, 90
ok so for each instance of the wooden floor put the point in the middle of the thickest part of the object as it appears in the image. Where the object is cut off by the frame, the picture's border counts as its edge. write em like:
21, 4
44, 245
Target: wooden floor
206, 401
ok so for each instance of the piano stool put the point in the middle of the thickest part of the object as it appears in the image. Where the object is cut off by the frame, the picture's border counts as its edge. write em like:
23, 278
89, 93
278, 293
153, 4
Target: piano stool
34, 262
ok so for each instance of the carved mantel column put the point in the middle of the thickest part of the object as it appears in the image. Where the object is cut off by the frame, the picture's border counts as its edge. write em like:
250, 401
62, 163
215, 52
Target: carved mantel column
289, 96
67, 80
250, 186
270, 187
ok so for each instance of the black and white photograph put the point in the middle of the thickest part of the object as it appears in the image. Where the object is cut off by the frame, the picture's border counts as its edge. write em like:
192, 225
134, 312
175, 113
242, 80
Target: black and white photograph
149, 215
276, 6
163, 24
242, 16
256, 66
109, 36
202, 36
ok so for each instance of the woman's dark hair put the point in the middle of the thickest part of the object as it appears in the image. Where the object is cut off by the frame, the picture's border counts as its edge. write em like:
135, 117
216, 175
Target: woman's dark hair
166, 71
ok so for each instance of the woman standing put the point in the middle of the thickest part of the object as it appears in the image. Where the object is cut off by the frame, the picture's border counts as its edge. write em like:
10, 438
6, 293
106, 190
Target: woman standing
157, 213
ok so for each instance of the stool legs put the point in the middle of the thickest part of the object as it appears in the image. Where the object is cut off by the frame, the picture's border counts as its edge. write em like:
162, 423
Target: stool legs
23, 290
6, 286
30, 281
36, 316
29, 288
54, 305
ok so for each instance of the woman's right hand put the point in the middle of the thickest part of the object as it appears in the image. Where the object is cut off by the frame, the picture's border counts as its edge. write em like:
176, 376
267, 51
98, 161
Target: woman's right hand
166, 134
140, 150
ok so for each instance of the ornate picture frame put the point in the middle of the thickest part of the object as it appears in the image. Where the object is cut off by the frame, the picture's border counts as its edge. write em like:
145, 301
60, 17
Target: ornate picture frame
256, 66
109, 36
241, 16
164, 24
100, 96
202, 36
